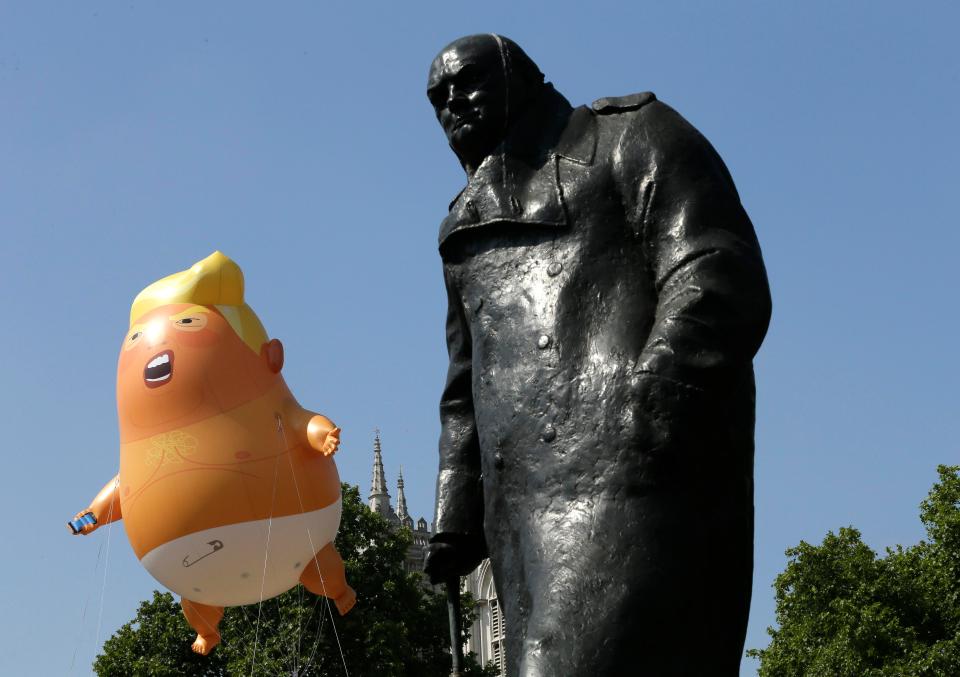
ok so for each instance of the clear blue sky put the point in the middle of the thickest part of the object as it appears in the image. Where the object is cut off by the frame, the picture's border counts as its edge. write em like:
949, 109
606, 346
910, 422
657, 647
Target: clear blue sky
136, 138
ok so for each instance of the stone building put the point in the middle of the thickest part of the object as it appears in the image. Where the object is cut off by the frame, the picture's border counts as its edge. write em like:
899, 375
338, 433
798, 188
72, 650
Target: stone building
379, 502
486, 635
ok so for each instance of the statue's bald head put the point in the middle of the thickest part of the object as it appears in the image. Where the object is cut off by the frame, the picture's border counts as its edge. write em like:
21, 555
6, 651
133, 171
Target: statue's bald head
479, 85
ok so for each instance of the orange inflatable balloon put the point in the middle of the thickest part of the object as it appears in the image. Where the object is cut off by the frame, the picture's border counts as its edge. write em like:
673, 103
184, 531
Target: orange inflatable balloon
227, 486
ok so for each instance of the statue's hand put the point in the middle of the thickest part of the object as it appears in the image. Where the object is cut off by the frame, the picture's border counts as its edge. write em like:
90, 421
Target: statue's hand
450, 555
440, 564
661, 412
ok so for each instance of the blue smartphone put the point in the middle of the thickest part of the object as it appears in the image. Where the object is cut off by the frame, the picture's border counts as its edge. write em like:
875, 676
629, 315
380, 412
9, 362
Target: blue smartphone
77, 525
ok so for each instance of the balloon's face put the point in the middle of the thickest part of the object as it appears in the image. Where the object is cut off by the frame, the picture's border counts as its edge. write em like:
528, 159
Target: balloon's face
181, 359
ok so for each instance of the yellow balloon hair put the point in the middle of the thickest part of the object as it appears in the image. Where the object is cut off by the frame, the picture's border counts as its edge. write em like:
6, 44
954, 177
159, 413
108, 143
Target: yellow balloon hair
215, 281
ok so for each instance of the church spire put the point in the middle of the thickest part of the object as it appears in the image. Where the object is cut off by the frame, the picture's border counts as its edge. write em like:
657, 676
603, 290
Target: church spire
401, 499
379, 499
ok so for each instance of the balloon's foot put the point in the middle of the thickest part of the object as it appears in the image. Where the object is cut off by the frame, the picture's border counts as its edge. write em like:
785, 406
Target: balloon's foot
204, 645
346, 601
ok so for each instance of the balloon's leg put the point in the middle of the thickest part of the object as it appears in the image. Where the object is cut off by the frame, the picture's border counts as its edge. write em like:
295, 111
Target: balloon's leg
204, 619
324, 576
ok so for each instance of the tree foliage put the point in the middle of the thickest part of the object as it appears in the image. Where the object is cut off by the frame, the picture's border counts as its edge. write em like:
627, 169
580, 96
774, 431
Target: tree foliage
844, 611
397, 628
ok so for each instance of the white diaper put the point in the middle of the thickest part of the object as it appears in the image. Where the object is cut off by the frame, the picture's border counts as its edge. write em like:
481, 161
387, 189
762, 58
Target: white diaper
224, 566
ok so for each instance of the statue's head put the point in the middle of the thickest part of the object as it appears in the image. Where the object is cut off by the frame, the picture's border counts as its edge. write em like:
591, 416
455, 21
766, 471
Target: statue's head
478, 86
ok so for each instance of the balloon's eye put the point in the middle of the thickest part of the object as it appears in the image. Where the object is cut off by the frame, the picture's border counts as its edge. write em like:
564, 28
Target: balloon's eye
133, 339
194, 322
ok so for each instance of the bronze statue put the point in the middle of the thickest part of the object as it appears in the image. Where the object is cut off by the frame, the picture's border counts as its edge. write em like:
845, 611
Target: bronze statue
606, 298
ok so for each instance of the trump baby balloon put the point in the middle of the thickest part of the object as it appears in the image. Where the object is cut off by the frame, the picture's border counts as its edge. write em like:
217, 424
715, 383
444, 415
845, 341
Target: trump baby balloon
227, 486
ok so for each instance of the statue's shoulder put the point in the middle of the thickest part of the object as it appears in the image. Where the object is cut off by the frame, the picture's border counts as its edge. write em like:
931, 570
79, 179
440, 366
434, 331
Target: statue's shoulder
609, 105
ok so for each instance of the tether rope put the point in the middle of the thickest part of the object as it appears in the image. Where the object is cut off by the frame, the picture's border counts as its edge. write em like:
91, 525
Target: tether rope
83, 612
106, 560
266, 556
296, 652
316, 640
313, 547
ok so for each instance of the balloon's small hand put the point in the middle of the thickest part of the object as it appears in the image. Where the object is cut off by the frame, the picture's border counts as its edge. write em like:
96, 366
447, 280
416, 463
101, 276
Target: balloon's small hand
331, 443
83, 523
323, 435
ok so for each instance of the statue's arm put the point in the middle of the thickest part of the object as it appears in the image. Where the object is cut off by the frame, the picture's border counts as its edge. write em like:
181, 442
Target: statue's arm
713, 299
459, 509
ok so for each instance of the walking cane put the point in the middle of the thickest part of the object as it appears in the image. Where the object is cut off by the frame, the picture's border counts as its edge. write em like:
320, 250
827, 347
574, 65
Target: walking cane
456, 636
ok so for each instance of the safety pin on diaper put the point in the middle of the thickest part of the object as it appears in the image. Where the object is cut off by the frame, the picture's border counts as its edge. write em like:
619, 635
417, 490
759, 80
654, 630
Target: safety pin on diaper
217, 545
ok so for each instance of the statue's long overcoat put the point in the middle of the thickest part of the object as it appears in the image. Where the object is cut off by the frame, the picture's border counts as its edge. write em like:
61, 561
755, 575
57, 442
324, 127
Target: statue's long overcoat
606, 298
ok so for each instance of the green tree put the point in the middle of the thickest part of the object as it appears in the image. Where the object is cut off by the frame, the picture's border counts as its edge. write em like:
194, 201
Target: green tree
842, 610
397, 627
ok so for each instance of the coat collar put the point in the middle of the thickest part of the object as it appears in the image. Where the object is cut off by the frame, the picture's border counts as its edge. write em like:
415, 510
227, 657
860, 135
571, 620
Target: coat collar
519, 182
579, 140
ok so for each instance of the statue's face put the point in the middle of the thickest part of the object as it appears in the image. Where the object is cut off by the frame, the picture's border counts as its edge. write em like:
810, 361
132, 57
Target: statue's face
468, 89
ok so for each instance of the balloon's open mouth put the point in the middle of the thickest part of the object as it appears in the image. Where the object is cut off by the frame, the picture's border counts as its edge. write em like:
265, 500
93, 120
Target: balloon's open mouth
159, 370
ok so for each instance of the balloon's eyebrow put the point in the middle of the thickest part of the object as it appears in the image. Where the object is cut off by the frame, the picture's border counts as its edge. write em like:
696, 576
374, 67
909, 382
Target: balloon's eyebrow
193, 310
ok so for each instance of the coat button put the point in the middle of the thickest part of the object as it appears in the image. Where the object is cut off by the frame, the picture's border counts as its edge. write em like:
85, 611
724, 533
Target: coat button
554, 269
549, 433
543, 341
472, 211
498, 460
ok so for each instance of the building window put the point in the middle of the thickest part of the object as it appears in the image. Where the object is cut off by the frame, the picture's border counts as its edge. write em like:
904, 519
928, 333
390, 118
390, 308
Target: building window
496, 635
